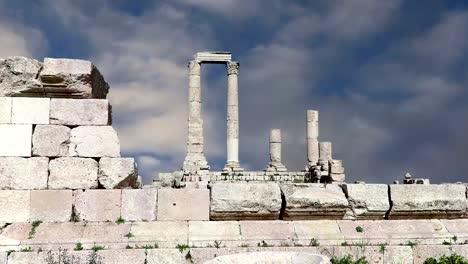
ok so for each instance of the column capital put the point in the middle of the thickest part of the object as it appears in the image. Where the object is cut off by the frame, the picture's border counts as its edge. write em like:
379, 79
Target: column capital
194, 67
232, 67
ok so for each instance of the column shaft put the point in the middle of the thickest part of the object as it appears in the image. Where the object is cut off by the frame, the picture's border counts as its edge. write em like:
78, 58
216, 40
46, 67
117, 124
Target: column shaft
312, 137
232, 118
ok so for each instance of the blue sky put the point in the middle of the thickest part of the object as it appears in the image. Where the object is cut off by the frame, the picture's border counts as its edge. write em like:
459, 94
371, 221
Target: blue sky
388, 77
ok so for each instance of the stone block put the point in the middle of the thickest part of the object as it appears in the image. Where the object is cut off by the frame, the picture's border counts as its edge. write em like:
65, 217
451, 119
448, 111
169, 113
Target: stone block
30, 110
51, 205
241, 201
63, 235
73, 79
214, 234
18, 75
183, 204
94, 141
84, 112
108, 234
422, 252
163, 233
51, 140
24, 173
98, 205
15, 140
394, 232
458, 228
427, 201
367, 201
15, 205
118, 173
336, 166
5, 110
326, 232
314, 201
139, 204
159, 256
73, 173
123, 256
208, 56
271, 257
398, 254
267, 233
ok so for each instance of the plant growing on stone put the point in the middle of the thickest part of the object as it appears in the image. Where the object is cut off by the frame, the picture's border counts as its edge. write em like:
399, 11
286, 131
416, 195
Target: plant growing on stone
359, 229
188, 257
28, 249
348, 260
383, 247
263, 244
447, 243
93, 258
129, 235
345, 244
96, 248
10, 251
217, 244
411, 243
182, 247
452, 259
120, 221
128, 247
34, 225
78, 246
314, 243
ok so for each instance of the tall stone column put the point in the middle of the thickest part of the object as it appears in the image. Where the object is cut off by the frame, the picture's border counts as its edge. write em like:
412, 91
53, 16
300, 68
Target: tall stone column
312, 138
232, 119
275, 152
195, 159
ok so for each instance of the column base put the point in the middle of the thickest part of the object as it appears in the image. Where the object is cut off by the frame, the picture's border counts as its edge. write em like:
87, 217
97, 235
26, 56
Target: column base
195, 167
232, 166
276, 167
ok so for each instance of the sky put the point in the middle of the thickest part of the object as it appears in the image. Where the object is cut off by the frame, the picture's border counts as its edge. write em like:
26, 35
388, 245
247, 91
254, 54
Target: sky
389, 78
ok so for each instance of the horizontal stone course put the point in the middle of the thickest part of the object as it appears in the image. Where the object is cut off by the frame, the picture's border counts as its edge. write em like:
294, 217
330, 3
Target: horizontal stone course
367, 201
80, 112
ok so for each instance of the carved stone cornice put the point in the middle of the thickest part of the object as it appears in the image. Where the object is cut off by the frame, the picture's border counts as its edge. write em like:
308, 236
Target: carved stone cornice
232, 67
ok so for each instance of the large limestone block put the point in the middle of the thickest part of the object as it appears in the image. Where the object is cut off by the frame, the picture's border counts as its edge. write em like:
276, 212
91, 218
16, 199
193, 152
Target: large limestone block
273, 233
51, 140
428, 201
158, 256
72, 78
214, 234
271, 257
51, 205
183, 204
457, 227
18, 77
15, 140
314, 201
367, 201
24, 173
139, 204
107, 234
163, 233
80, 112
64, 235
123, 256
98, 205
94, 141
14, 206
30, 110
73, 173
398, 254
241, 201
327, 232
118, 173
5, 110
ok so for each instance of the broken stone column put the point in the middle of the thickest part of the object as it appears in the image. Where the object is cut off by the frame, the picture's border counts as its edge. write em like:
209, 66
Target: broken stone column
232, 118
325, 151
312, 138
337, 171
195, 159
275, 152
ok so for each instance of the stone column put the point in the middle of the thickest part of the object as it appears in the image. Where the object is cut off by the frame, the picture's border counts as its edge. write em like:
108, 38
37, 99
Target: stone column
195, 159
312, 138
232, 119
275, 152
325, 151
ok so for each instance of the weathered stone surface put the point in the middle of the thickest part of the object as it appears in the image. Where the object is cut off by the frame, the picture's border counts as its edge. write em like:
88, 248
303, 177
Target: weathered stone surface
258, 201
15, 140
458, 228
63, 235
118, 173
123, 256
212, 56
395, 232
94, 141
214, 234
314, 201
325, 232
24, 173
262, 233
183, 204
163, 233
14, 206
325, 151
271, 257
98, 205
5, 110
72, 78
107, 234
80, 112
398, 254
367, 201
422, 252
18, 77
51, 140
159, 256
428, 201
30, 110
139, 204
73, 173
51, 205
